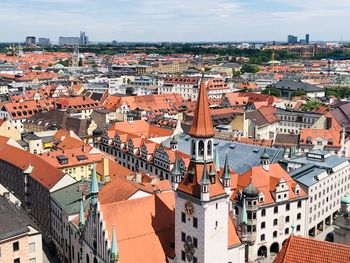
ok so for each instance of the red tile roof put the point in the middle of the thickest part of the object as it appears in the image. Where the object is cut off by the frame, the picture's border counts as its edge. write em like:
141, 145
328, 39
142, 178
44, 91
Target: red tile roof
194, 187
300, 249
202, 125
140, 127
144, 226
266, 182
43, 172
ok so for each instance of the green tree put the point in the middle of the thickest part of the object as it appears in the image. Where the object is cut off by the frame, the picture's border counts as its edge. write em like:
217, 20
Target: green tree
271, 91
298, 93
311, 105
249, 68
80, 63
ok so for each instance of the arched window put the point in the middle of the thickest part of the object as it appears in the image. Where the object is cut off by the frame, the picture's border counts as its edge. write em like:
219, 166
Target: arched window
193, 147
201, 148
209, 147
87, 258
275, 222
262, 225
262, 237
286, 231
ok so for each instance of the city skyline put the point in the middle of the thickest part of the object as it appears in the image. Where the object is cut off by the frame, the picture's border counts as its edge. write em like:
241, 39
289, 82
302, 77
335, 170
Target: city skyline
154, 21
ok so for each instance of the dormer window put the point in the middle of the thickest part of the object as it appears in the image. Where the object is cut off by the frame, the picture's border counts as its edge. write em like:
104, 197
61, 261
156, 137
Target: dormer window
261, 197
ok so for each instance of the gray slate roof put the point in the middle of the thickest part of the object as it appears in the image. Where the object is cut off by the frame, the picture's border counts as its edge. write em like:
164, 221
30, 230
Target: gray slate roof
241, 156
307, 175
296, 85
14, 221
69, 197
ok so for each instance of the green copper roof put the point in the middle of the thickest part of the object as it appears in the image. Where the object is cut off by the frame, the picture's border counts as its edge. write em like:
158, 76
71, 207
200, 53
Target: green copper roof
205, 179
176, 170
265, 155
216, 158
29, 169
244, 213
345, 199
115, 254
94, 185
81, 214
226, 174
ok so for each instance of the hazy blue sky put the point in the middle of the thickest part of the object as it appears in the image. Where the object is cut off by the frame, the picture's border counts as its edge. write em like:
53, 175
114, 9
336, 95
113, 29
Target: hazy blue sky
175, 20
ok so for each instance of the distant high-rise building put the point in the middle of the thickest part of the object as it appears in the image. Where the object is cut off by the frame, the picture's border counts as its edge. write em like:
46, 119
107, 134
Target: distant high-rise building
292, 39
307, 39
30, 41
44, 42
83, 38
69, 41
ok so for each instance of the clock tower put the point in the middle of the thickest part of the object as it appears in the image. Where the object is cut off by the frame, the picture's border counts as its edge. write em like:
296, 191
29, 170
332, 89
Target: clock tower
201, 206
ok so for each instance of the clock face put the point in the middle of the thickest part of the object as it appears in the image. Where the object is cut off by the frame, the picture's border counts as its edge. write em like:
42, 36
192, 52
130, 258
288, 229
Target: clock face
189, 208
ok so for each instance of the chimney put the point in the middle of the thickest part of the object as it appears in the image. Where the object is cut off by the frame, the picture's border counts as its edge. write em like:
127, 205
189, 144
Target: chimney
105, 169
138, 178
83, 148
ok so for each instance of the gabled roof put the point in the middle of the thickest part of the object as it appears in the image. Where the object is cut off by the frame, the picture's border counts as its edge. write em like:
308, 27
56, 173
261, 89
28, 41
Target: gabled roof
193, 186
266, 181
44, 173
300, 249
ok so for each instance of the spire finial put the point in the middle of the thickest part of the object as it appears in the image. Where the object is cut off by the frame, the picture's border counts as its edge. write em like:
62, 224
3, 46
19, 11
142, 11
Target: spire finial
244, 212
216, 157
94, 185
115, 254
205, 179
81, 215
226, 174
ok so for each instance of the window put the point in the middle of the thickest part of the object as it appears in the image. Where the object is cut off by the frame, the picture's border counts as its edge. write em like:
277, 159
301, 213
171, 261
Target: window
183, 255
299, 216
195, 222
287, 207
275, 222
299, 204
298, 227
32, 260
263, 212
274, 233
17, 260
262, 237
15, 246
31, 247
183, 217
195, 242
209, 148
275, 210
201, 149
287, 219
263, 225
183, 237
195, 260
286, 231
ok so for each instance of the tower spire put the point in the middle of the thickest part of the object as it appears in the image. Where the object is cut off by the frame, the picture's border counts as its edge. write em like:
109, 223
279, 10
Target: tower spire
202, 126
81, 215
94, 185
216, 157
115, 253
176, 172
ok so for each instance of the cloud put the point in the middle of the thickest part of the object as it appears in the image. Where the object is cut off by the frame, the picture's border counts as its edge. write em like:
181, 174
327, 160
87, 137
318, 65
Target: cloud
174, 20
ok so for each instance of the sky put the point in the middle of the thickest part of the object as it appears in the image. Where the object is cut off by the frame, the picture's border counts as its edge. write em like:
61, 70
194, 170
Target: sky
175, 20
